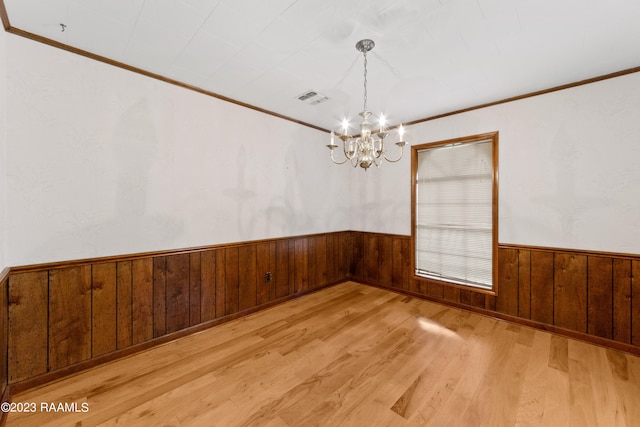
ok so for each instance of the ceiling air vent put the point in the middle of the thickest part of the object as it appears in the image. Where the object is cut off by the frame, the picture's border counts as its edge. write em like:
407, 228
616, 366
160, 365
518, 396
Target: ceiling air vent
312, 97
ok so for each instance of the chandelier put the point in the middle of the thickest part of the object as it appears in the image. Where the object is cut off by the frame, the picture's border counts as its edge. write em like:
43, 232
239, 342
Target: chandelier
368, 148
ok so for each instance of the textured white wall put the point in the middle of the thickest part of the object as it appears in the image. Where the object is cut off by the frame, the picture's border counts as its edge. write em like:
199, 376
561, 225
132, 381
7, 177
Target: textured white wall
568, 170
3, 144
381, 197
102, 161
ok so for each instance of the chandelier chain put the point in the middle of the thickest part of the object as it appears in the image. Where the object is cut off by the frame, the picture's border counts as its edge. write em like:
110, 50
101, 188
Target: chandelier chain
365, 81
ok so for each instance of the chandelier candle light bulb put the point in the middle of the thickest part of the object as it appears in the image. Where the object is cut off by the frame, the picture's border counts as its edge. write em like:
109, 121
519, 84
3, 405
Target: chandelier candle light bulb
367, 149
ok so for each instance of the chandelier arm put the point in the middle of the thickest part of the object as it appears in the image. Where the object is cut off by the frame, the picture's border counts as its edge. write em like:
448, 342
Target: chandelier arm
399, 157
336, 162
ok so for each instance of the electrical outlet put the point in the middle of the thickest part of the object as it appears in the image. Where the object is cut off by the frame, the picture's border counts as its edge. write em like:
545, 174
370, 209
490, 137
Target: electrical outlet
267, 277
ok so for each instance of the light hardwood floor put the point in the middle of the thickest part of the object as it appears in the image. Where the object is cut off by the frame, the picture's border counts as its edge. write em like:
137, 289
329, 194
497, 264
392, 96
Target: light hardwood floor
355, 355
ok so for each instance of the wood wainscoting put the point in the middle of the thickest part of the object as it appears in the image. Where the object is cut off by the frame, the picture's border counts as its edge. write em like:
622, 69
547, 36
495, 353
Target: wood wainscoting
4, 339
65, 317
593, 296
61, 318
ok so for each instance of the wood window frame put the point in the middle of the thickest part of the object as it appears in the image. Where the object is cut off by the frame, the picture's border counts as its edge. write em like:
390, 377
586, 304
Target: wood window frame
493, 136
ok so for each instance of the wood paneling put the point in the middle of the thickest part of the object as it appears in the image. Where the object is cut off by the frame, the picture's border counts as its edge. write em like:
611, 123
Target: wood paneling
69, 316
473, 299
177, 292
28, 325
524, 284
600, 296
385, 259
281, 274
301, 271
436, 290
232, 280
490, 302
507, 301
124, 329
635, 302
4, 336
312, 275
401, 250
159, 296
417, 286
371, 258
207, 285
142, 300
357, 251
542, 287
319, 257
292, 267
195, 284
570, 291
248, 277
622, 300
265, 256
221, 298
104, 309
344, 247
451, 294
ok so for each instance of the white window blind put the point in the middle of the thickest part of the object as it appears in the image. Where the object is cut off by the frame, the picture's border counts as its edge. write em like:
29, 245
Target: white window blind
454, 213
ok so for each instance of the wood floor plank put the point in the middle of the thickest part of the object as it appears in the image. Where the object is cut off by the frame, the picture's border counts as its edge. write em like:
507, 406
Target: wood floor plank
557, 402
354, 355
530, 410
502, 384
607, 407
629, 390
582, 406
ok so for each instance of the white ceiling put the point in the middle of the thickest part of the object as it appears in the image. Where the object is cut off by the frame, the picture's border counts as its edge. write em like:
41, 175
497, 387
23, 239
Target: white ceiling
431, 56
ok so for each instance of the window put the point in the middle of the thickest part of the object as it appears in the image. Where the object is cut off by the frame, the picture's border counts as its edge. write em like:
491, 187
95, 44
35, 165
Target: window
455, 211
